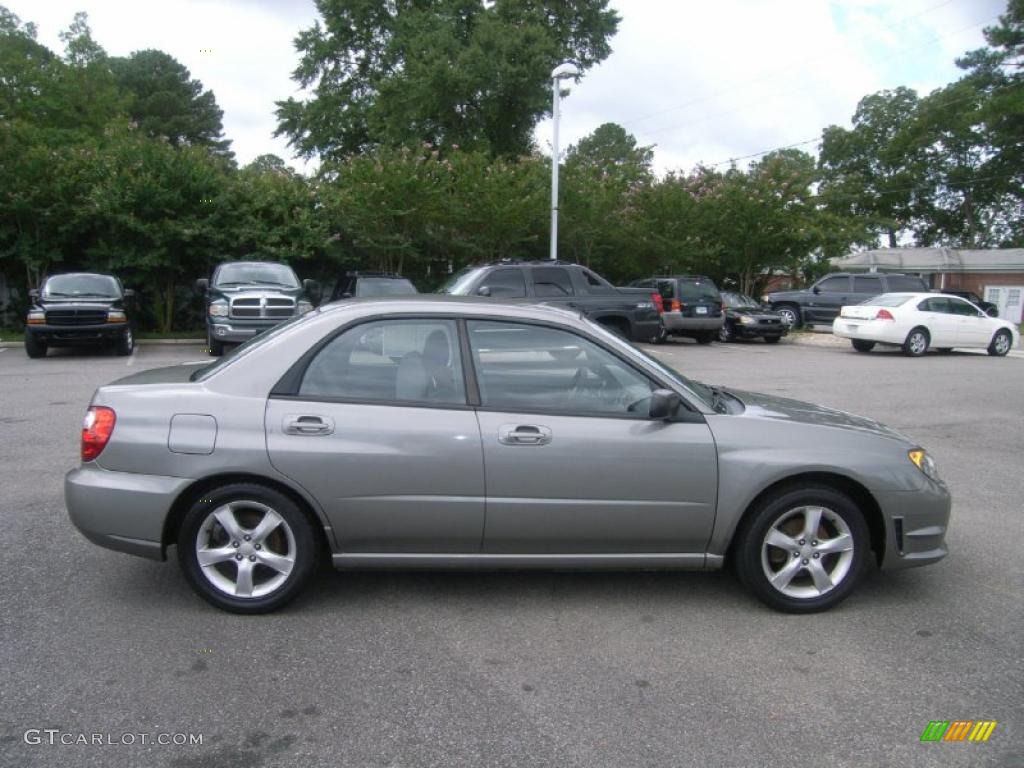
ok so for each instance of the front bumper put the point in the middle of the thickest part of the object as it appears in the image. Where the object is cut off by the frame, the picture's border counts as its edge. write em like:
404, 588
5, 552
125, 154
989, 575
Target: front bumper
121, 510
915, 526
760, 329
235, 331
676, 322
59, 335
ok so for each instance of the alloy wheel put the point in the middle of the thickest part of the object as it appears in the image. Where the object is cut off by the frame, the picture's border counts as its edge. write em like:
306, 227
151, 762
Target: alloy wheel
807, 552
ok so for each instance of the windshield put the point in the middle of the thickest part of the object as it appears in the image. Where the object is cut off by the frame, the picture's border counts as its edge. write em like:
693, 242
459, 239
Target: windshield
382, 286
256, 274
458, 284
99, 286
201, 374
739, 301
698, 290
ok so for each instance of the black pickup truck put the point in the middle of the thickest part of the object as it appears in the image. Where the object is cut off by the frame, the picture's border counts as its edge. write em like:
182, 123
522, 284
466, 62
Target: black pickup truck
76, 309
629, 312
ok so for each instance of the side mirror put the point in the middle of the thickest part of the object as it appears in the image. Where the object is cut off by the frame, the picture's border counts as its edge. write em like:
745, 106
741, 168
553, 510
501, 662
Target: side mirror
483, 290
992, 312
664, 404
311, 287
33, 293
202, 285
129, 293
816, 290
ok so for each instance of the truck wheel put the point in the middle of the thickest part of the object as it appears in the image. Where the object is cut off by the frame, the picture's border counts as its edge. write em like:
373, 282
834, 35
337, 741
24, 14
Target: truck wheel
214, 347
34, 348
126, 344
790, 315
705, 337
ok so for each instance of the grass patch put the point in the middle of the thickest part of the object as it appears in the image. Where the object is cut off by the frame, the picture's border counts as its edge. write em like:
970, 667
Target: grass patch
7, 334
171, 335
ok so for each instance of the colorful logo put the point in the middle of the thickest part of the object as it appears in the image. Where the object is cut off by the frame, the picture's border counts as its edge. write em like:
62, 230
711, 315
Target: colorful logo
958, 730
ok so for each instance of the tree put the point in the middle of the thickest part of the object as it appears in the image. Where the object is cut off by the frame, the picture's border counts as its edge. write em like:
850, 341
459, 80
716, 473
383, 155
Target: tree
167, 103
875, 170
447, 72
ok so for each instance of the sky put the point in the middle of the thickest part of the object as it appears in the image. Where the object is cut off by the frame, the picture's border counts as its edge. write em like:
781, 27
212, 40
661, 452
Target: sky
703, 82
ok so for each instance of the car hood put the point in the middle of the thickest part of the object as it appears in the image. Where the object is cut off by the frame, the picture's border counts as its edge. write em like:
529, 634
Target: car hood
782, 408
172, 374
752, 312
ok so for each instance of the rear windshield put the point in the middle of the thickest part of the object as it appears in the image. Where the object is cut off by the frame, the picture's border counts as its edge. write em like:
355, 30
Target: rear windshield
889, 300
97, 286
698, 290
384, 286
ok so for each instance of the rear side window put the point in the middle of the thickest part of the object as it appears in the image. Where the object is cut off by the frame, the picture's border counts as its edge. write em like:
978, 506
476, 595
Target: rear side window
506, 283
934, 305
390, 361
906, 283
698, 290
870, 285
552, 282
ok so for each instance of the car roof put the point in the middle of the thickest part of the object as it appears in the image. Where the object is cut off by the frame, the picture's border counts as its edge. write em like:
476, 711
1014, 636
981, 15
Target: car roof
437, 303
82, 274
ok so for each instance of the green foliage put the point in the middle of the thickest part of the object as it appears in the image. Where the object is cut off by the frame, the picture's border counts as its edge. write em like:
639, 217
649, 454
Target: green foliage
447, 72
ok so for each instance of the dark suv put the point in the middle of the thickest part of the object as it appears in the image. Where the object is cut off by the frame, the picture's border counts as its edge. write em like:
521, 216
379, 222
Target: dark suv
822, 301
629, 312
356, 285
690, 305
244, 298
78, 308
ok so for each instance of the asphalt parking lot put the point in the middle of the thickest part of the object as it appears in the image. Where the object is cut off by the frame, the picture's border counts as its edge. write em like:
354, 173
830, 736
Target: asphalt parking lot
545, 669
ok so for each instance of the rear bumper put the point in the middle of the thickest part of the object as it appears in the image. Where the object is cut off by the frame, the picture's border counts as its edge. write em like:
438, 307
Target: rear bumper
676, 322
881, 331
120, 510
916, 523
59, 335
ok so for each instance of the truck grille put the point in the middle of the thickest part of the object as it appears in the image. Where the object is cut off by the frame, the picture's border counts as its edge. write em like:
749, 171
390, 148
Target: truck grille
272, 307
76, 316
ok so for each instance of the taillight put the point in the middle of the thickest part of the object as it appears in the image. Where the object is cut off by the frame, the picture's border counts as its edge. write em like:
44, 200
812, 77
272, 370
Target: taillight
884, 314
96, 431
659, 303
676, 306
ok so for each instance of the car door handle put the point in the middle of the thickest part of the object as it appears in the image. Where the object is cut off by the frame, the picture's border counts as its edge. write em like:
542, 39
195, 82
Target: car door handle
308, 425
523, 434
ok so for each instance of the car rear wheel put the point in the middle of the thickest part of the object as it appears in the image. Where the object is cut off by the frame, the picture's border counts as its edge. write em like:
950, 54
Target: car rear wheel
34, 348
916, 343
1000, 345
246, 548
861, 345
725, 333
803, 549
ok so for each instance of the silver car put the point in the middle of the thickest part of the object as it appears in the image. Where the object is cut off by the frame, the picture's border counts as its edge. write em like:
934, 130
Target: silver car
434, 432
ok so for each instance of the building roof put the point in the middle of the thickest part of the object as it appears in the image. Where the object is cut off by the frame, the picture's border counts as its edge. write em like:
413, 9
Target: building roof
934, 260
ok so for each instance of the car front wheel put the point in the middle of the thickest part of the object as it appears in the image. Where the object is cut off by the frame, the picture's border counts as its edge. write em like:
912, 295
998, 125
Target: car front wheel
34, 348
1001, 343
803, 549
246, 548
126, 344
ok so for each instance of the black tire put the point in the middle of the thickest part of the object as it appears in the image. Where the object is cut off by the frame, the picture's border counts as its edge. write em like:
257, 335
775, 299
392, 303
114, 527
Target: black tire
790, 311
214, 347
862, 345
706, 337
754, 559
1000, 345
126, 344
660, 337
725, 333
944, 350
251, 500
772, 339
34, 348
916, 344
620, 329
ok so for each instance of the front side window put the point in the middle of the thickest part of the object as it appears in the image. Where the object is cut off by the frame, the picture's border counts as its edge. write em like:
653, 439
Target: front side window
390, 361
532, 368
960, 307
834, 284
551, 282
507, 283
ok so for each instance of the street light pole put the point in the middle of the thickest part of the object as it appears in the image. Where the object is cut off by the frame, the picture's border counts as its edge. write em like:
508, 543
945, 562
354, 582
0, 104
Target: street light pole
561, 72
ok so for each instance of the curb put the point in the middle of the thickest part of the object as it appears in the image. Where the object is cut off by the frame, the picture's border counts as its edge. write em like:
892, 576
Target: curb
138, 342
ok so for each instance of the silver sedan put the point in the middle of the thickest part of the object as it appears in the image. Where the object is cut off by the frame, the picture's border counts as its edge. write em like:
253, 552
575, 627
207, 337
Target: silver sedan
433, 432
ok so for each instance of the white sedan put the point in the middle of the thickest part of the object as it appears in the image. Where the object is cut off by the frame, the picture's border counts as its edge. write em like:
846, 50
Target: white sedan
917, 321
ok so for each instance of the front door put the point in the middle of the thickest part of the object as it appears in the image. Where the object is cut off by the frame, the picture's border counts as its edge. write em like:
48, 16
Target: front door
973, 329
380, 434
573, 463
831, 294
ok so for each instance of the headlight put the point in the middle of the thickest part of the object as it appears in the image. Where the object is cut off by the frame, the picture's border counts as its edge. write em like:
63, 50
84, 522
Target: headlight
116, 316
747, 320
36, 317
218, 309
304, 307
924, 462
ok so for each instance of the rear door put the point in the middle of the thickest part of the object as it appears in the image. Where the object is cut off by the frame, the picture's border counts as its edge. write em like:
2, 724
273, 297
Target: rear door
573, 463
936, 316
380, 433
